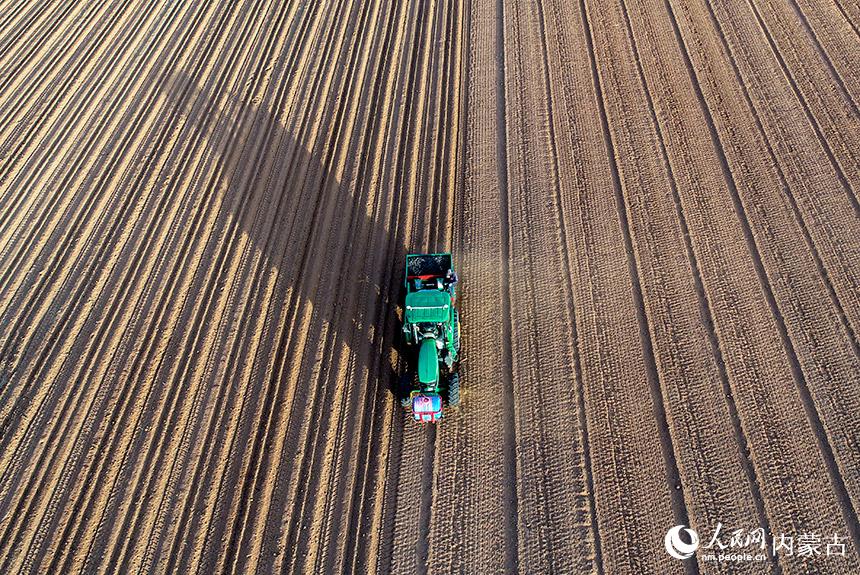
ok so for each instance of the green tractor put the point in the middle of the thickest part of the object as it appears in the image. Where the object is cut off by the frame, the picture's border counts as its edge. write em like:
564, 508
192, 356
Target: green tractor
431, 331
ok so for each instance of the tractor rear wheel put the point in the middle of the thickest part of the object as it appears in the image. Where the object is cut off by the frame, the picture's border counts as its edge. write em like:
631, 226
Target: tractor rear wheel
404, 388
454, 390
457, 331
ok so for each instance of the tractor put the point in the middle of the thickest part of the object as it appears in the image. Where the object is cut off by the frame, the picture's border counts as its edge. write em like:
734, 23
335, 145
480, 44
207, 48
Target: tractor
431, 332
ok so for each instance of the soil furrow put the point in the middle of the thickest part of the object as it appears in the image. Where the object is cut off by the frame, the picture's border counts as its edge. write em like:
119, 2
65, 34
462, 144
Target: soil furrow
508, 401
822, 112
51, 149
840, 59
251, 482
211, 305
94, 174
747, 205
852, 22
132, 369
275, 181
821, 236
279, 365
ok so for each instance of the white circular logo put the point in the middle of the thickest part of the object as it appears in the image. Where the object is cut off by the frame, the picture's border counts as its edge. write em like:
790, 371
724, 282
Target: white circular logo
676, 547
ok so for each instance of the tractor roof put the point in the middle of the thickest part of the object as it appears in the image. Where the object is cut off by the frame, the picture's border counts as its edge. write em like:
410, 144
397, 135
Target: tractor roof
428, 305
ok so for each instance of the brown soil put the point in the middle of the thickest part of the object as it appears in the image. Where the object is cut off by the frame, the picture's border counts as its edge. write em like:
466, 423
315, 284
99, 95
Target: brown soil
654, 208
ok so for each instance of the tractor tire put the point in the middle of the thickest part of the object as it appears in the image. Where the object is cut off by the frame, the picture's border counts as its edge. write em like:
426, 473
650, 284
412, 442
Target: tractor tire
457, 331
454, 390
404, 388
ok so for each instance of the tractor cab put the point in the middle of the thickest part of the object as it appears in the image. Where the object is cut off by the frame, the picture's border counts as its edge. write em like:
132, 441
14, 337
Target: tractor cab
431, 330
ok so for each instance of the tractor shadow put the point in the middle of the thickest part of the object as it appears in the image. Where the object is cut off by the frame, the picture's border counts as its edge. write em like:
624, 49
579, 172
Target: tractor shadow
270, 235
313, 242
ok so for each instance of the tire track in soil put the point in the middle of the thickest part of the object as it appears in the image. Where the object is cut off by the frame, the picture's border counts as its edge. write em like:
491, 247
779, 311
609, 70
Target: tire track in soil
827, 243
331, 340
390, 287
328, 430
624, 501
436, 224
820, 113
673, 479
475, 486
567, 192
582, 556
424, 520
448, 152
550, 510
852, 22
303, 169
23, 30
416, 488
292, 164
391, 474
832, 52
710, 470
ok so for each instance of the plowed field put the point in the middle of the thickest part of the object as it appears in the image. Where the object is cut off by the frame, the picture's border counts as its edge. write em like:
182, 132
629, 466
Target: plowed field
654, 210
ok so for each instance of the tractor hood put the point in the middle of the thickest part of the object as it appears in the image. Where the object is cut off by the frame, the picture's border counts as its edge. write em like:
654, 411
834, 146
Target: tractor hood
428, 306
428, 362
